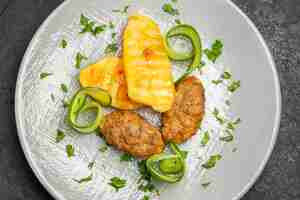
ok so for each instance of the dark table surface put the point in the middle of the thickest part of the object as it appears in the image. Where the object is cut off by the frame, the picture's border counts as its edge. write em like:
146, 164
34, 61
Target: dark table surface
279, 23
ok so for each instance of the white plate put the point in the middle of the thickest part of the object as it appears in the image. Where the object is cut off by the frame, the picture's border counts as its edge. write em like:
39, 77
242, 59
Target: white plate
258, 103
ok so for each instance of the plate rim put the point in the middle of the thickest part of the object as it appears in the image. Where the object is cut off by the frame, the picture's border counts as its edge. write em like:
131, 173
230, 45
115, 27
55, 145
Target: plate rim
56, 195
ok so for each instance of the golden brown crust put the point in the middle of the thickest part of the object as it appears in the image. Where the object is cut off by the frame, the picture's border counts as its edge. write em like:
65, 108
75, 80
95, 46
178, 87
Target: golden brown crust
129, 132
181, 122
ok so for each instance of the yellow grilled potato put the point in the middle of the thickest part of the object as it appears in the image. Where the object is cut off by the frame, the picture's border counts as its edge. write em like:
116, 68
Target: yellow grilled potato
108, 74
146, 63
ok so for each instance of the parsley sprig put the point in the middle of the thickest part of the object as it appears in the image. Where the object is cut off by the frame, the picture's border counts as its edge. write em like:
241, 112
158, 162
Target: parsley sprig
212, 161
168, 8
88, 26
215, 51
117, 183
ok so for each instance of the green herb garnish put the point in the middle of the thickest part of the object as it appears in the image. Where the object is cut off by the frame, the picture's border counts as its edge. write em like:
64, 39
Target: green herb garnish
145, 197
234, 149
177, 21
216, 82
205, 139
99, 29
83, 180
111, 48
88, 26
148, 187
232, 125
64, 88
65, 103
45, 75
216, 114
63, 43
212, 161
117, 183
174, 1
59, 136
79, 58
124, 11
168, 8
226, 75
234, 86
145, 174
103, 148
228, 138
113, 35
70, 150
126, 157
91, 164
205, 185
111, 25
215, 51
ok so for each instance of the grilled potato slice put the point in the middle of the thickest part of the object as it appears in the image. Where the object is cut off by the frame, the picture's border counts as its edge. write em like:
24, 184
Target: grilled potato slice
146, 63
108, 74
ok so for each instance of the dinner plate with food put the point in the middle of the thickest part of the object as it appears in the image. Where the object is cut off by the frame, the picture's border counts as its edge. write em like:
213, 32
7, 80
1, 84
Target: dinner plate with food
147, 100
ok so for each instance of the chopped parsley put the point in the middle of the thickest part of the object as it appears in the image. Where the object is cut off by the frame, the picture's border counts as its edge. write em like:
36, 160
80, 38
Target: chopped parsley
212, 161
216, 114
205, 139
45, 75
206, 184
234, 86
99, 29
64, 88
111, 48
70, 150
226, 75
84, 180
63, 43
234, 149
126, 157
177, 21
103, 148
65, 103
111, 25
145, 174
79, 58
232, 125
91, 165
59, 136
168, 8
124, 11
217, 82
148, 187
228, 138
174, 1
215, 51
88, 26
113, 35
145, 197
117, 183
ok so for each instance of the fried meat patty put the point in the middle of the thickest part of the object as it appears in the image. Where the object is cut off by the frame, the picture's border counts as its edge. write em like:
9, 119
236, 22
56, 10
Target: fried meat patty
182, 121
129, 132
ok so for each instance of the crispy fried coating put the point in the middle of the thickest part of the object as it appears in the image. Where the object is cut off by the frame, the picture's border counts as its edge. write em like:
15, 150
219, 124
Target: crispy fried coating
129, 132
182, 121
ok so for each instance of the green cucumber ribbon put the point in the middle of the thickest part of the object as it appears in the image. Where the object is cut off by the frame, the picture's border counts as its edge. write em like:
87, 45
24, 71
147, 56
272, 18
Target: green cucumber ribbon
80, 103
167, 167
190, 33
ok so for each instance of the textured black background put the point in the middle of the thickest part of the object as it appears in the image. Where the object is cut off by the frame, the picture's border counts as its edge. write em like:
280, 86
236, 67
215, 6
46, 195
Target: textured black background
279, 22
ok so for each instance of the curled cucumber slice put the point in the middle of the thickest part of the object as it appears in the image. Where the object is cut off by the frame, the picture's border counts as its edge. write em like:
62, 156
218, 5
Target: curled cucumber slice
80, 104
190, 33
167, 167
